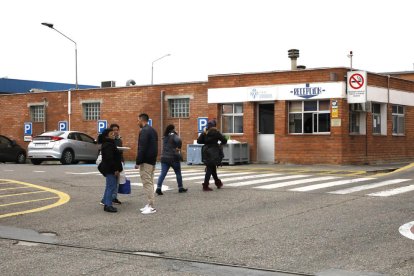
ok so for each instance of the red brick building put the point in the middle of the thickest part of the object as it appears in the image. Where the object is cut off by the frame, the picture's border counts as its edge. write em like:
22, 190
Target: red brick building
298, 116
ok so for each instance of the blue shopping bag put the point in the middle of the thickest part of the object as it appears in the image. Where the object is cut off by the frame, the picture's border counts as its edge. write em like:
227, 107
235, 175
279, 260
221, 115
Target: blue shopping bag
125, 188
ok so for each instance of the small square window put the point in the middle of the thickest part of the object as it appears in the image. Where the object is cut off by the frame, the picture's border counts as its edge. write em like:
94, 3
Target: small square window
37, 113
179, 108
91, 111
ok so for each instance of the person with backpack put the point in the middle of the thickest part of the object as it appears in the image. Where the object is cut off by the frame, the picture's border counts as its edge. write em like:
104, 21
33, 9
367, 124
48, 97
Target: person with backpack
211, 153
170, 157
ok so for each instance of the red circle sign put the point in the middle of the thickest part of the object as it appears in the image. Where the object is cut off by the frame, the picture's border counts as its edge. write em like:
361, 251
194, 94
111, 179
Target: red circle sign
356, 81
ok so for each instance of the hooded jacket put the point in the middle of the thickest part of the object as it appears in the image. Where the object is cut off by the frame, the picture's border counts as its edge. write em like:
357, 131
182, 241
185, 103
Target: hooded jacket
211, 153
170, 144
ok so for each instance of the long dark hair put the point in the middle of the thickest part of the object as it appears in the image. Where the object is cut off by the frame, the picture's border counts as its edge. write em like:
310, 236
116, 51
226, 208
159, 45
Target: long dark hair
103, 135
169, 129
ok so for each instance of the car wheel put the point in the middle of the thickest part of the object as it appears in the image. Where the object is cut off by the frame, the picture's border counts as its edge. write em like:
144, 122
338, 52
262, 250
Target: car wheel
36, 161
21, 158
67, 157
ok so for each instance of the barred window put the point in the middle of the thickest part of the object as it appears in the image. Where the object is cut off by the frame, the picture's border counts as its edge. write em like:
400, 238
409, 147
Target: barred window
309, 117
398, 120
179, 108
37, 113
91, 111
232, 118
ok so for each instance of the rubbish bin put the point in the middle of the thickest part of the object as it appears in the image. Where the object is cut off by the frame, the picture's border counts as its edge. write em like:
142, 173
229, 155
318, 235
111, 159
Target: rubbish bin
194, 154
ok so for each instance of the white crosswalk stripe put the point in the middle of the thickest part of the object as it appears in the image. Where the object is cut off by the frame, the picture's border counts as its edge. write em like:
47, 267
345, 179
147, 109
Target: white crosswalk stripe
258, 181
394, 191
232, 179
368, 186
295, 182
329, 184
269, 181
221, 175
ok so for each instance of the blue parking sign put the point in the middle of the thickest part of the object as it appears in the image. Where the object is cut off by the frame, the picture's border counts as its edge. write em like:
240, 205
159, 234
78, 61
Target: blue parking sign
28, 129
150, 122
63, 125
102, 124
201, 123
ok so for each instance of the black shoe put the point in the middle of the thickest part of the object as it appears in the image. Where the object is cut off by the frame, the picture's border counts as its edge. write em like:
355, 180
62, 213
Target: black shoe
116, 201
182, 190
158, 191
110, 209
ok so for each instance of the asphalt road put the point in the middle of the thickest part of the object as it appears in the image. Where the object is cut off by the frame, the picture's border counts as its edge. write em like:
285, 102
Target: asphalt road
308, 222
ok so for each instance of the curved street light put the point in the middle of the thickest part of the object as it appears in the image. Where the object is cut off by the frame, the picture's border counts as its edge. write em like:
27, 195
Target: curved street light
50, 25
152, 67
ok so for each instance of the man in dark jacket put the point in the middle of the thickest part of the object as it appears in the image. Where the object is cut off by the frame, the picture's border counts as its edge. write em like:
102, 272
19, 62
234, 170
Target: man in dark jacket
146, 160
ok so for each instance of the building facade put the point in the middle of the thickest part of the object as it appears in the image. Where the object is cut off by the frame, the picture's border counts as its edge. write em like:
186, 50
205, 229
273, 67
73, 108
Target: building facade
297, 116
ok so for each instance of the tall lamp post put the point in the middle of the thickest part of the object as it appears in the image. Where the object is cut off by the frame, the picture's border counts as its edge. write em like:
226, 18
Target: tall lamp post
76, 50
152, 67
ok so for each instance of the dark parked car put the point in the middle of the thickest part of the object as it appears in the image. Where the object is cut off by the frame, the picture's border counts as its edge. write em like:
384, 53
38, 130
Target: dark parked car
10, 151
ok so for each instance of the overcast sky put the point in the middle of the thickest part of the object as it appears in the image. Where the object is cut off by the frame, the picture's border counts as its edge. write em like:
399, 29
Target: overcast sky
119, 40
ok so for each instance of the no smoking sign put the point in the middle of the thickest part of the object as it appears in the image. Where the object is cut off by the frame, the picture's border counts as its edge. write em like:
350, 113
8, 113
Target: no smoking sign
356, 81
357, 86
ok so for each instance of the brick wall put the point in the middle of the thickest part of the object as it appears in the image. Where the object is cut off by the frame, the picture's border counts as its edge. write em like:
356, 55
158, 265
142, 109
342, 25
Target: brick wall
122, 105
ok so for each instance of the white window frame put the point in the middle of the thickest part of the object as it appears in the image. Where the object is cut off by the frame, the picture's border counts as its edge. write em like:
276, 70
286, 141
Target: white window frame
396, 118
232, 115
314, 113
359, 125
379, 120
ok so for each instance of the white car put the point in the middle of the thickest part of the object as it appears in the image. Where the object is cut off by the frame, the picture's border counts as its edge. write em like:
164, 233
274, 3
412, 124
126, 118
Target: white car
69, 147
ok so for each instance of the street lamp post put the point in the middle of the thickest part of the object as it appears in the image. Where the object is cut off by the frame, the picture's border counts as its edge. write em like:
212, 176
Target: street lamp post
152, 67
76, 50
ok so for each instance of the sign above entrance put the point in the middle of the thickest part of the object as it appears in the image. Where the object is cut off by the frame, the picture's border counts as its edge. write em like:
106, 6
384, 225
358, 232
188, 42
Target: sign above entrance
357, 86
283, 92
261, 94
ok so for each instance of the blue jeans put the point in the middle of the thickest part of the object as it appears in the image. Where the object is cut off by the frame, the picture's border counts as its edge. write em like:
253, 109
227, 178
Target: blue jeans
109, 189
164, 170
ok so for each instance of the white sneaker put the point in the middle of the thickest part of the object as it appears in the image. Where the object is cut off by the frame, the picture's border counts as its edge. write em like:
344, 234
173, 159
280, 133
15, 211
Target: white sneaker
149, 210
145, 207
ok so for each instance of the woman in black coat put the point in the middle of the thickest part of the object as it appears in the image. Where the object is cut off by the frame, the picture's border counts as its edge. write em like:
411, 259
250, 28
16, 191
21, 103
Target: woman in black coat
211, 153
110, 167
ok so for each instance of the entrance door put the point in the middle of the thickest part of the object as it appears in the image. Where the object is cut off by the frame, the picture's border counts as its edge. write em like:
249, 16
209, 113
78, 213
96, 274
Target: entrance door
266, 135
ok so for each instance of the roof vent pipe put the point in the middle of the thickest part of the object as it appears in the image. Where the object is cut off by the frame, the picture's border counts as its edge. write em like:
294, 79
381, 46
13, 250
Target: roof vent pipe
293, 54
130, 82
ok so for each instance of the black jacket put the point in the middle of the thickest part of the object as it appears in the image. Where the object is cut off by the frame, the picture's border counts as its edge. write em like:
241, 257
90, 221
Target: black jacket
111, 157
170, 144
147, 146
211, 153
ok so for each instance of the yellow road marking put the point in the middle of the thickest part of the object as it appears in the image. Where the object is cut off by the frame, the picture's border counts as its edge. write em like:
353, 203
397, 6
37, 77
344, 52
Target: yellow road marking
23, 194
28, 201
15, 188
62, 199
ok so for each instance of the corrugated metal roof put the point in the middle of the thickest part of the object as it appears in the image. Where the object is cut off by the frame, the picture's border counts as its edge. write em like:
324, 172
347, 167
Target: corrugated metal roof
11, 86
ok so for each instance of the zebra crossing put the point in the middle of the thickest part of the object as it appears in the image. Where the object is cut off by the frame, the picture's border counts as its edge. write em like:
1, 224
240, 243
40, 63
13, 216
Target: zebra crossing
283, 181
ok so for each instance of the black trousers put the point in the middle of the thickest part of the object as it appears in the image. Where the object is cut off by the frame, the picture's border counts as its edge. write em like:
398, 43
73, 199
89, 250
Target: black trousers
211, 171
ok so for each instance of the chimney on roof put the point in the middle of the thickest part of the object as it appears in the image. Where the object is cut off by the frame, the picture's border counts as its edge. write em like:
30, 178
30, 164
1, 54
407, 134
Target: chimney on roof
293, 54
